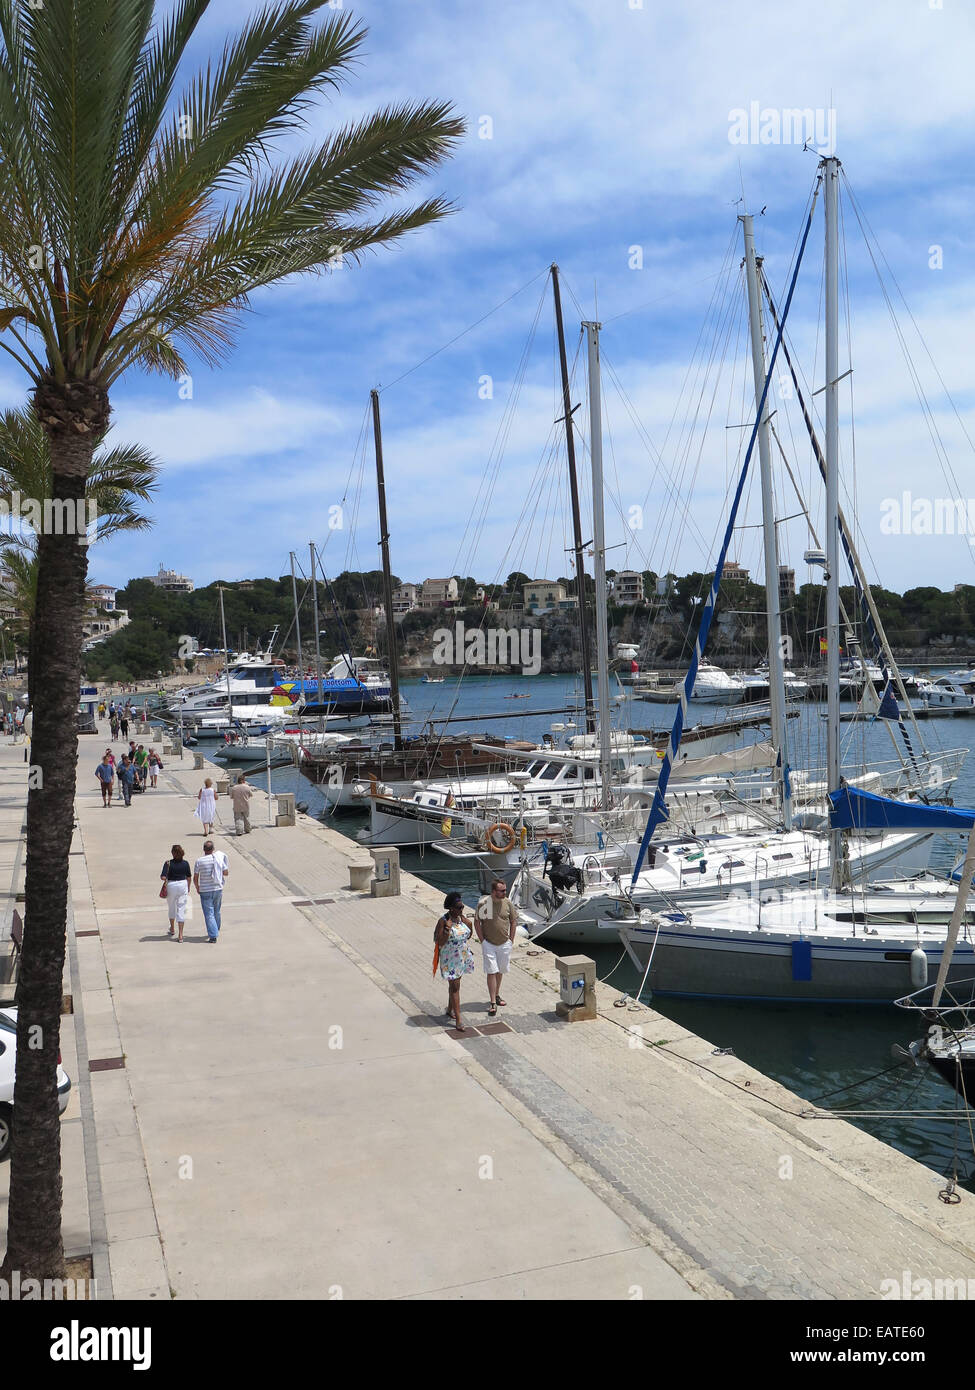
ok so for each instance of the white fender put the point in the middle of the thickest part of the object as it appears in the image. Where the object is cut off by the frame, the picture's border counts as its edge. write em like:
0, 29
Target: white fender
919, 968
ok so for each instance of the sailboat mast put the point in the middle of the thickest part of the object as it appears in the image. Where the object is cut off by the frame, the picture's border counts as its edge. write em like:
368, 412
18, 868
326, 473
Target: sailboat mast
226, 656
599, 560
576, 521
831, 178
301, 664
387, 576
294, 595
314, 609
773, 616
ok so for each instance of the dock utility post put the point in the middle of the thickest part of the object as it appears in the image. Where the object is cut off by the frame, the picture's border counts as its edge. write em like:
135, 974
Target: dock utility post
197, 762
286, 808
385, 882
577, 988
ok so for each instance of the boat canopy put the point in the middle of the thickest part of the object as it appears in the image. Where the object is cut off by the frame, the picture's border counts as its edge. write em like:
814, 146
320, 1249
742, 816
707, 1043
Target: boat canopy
854, 809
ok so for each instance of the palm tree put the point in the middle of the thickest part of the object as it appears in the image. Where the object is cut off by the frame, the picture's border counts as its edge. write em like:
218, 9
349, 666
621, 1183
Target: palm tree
136, 217
118, 479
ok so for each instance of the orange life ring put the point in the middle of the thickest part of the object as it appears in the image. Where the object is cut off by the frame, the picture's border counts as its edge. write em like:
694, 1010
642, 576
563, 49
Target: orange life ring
489, 837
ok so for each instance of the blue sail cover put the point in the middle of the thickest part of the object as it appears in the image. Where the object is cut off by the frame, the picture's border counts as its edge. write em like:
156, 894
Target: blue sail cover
859, 810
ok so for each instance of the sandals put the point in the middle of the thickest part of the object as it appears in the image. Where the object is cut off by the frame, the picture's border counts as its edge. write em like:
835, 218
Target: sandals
492, 1010
502, 1002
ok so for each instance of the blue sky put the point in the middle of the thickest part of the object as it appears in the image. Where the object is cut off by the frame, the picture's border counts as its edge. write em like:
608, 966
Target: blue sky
609, 126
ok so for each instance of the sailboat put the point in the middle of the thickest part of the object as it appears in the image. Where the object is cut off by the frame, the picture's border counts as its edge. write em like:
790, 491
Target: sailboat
840, 943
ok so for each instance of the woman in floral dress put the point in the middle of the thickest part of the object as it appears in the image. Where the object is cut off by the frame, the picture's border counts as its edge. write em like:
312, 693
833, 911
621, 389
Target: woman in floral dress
452, 937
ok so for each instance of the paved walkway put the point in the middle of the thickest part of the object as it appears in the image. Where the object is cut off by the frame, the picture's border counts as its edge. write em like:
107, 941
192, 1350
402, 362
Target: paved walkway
293, 1119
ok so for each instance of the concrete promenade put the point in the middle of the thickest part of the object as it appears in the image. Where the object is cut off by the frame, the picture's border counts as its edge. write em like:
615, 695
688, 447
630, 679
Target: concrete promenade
284, 1114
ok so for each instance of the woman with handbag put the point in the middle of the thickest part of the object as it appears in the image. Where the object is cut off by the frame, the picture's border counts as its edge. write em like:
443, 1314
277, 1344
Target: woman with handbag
453, 952
176, 878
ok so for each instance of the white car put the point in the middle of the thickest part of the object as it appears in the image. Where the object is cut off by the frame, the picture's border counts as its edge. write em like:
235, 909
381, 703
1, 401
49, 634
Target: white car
8, 1053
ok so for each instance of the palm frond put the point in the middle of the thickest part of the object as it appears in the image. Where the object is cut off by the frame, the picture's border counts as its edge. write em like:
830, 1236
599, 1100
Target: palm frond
154, 202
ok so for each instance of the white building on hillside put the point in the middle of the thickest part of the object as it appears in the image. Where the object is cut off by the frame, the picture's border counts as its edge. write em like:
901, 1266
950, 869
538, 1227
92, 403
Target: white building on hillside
172, 582
626, 587
438, 593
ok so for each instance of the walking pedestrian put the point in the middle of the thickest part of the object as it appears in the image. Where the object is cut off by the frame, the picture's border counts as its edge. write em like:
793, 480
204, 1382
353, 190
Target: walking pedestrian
209, 875
142, 764
126, 778
206, 806
123, 725
240, 794
176, 876
105, 773
113, 725
154, 766
453, 952
496, 922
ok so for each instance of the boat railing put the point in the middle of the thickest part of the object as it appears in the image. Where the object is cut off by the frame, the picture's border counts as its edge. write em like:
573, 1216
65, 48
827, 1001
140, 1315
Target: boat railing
931, 772
957, 998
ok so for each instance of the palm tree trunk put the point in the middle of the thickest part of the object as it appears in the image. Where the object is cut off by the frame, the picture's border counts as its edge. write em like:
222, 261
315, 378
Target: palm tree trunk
74, 418
30, 663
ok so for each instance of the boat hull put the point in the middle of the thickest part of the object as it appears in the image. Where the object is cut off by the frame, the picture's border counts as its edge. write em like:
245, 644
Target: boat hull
742, 968
961, 1077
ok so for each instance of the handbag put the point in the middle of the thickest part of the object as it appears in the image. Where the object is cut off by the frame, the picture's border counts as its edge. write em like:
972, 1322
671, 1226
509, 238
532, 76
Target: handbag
164, 890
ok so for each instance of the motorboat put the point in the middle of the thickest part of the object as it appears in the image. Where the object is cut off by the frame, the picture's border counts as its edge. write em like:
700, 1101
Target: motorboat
284, 743
945, 695
257, 687
712, 686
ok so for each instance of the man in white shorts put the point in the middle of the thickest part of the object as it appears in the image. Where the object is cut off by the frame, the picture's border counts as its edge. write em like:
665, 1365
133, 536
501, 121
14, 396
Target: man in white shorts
496, 922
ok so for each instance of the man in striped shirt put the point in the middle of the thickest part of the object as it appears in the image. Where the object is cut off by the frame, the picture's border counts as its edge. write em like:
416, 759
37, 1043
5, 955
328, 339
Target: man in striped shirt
209, 873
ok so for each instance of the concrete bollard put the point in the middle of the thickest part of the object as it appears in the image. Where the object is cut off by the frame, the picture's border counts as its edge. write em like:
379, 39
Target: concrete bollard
157, 736
360, 877
198, 762
577, 987
385, 882
223, 786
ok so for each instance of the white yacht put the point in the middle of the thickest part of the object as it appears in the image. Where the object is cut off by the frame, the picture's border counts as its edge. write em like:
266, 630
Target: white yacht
713, 686
246, 688
945, 695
